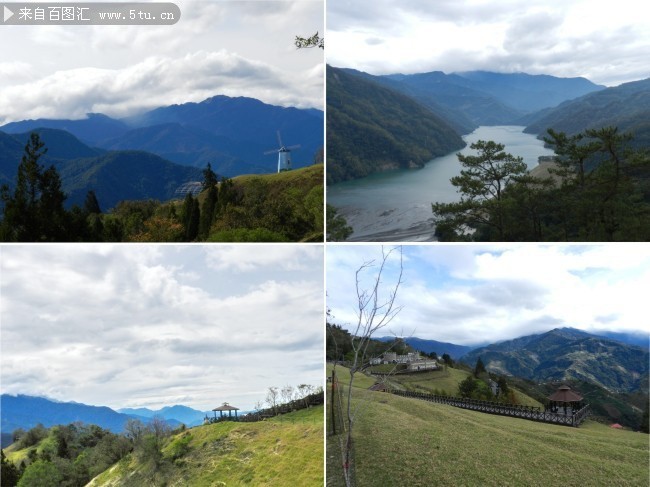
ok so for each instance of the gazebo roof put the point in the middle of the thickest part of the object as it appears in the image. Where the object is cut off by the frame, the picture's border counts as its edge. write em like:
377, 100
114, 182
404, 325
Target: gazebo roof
226, 407
565, 394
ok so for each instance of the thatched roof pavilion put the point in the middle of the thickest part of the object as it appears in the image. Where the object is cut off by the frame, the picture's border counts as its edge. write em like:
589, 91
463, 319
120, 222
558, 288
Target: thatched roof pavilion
225, 407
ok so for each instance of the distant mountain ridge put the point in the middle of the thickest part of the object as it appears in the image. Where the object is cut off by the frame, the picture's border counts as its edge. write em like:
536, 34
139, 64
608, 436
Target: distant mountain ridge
184, 414
428, 346
488, 98
23, 411
567, 353
232, 133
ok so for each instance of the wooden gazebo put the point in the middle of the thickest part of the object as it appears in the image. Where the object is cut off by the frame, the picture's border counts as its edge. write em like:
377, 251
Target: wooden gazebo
567, 399
223, 408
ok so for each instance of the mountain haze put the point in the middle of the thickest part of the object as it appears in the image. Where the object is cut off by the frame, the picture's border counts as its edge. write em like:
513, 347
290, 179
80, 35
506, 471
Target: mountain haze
25, 412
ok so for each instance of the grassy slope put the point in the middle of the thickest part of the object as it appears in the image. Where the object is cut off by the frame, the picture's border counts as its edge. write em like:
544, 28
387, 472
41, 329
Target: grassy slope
401, 441
287, 450
445, 381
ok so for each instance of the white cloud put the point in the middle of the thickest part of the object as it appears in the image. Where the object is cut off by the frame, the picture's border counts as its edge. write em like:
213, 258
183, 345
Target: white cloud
474, 294
572, 38
123, 325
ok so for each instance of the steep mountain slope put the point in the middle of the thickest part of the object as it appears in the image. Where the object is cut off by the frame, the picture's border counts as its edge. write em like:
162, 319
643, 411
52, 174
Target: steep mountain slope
372, 128
123, 175
567, 354
626, 106
11, 150
27, 411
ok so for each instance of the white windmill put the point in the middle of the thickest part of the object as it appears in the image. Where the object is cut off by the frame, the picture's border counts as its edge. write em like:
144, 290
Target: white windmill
284, 155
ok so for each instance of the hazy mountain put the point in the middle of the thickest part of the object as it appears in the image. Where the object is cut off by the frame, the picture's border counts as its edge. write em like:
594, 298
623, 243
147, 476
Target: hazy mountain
372, 128
567, 354
25, 412
91, 130
626, 106
527, 92
230, 133
488, 98
428, 346
183, 414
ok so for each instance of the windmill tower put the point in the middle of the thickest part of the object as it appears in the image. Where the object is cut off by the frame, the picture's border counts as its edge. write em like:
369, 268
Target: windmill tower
284, 154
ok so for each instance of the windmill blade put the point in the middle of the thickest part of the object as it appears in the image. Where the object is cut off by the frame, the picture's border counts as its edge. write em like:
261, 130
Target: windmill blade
279, 138
292, 147
272, 151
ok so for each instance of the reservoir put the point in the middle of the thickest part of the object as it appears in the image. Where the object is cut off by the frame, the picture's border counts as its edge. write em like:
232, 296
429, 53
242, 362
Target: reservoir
396, 205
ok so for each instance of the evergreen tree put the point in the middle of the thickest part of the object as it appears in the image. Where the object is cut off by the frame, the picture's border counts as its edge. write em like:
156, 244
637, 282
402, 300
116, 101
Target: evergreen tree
210, 178
9, 472
481, 185
34, 212
480, 367
208, 212
91, 204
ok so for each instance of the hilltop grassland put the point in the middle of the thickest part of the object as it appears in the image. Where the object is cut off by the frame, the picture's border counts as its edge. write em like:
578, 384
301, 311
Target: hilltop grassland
443, 382
401, 441
286, 450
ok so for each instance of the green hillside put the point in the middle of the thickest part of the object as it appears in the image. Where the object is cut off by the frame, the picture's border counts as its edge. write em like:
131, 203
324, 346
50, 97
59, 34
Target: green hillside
288, 204
400, 441
287, 450
372, 128
626, 106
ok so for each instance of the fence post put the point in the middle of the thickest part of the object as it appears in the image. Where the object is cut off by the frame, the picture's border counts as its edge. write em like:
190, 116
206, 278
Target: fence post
332, 395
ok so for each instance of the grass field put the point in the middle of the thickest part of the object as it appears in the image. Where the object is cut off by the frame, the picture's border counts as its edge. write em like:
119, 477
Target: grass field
401, 441
286, 450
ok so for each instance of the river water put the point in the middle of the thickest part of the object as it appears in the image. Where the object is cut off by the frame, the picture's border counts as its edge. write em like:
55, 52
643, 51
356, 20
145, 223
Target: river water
396, 205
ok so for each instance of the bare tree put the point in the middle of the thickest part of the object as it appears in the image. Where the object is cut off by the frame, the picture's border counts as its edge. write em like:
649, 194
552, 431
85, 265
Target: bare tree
375, 310
287, 394
272, 398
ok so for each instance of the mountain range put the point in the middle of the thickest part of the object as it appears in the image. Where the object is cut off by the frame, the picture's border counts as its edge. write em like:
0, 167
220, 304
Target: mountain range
23, 411
567, 354
626, 106
150, 155
230, 133
379, 123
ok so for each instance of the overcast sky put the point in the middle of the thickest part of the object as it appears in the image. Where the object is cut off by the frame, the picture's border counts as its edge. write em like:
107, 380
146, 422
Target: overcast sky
471, 294
606, 42
230, 47
152, 325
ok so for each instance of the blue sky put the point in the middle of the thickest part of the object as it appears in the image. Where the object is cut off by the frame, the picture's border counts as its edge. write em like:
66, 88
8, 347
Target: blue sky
158, 325
471, 294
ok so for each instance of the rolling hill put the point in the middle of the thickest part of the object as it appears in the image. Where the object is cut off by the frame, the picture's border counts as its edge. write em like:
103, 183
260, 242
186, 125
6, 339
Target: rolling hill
372, 128
626, 106
567, 354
